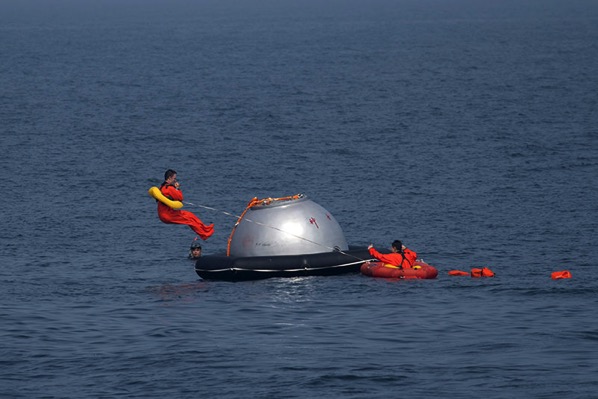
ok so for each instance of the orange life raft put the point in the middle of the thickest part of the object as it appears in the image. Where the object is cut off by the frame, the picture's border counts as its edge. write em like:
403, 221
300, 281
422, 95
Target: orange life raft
420, 270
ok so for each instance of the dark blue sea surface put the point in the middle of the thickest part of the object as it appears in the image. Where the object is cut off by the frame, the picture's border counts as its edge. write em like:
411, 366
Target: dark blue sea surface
467, 129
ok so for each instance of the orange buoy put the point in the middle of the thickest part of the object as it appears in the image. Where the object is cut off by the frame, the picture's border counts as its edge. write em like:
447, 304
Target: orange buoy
561, 274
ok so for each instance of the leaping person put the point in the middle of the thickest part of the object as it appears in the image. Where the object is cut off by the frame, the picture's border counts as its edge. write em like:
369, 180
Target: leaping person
172, 190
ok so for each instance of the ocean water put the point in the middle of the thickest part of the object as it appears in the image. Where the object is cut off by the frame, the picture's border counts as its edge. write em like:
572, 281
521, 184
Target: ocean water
467, 129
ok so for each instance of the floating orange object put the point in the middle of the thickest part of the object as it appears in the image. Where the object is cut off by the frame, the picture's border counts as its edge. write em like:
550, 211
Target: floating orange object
420, 270
561, 274
483, 272
458, 273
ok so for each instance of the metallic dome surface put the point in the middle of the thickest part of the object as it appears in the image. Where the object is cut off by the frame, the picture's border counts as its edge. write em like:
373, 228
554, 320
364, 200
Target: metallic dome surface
290, 227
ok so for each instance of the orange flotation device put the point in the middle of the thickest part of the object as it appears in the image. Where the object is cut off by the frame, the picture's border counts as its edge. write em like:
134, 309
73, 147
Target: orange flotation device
561, 274
458, 273
475, 272
482, 272
420, 270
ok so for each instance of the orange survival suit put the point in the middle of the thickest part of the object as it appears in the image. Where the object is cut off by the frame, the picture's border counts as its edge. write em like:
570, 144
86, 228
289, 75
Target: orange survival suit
405, 259
169, 215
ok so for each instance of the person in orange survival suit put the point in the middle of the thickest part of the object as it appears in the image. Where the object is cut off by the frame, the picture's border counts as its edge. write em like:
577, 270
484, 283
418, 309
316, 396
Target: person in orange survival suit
401, 256
171, 189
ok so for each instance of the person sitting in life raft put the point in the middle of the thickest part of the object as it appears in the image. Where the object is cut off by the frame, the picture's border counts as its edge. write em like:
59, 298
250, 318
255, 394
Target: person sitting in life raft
171, 189
401, 256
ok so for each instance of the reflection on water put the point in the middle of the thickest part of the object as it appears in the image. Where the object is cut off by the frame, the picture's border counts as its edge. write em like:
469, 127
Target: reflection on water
186, 292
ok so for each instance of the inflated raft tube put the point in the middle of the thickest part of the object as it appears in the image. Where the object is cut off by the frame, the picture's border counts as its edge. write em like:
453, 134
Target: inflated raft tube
420, 270
231, 268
